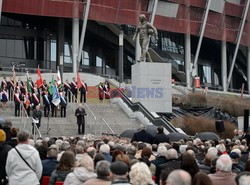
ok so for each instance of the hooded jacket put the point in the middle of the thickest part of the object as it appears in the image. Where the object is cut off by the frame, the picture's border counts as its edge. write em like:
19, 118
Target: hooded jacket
18, 171
79, 176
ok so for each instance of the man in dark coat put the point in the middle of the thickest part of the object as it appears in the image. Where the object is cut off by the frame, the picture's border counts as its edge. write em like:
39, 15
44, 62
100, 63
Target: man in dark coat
49, 164
4, 149
142, 136
160, 137
80, 115
36, 118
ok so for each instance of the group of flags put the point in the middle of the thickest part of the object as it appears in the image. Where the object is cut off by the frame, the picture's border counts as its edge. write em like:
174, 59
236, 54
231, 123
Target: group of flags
56, 99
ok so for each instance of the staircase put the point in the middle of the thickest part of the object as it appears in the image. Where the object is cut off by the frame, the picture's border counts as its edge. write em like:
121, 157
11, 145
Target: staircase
117, 120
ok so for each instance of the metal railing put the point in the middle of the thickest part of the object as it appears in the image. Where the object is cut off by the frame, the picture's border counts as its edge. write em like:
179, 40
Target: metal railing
159, 121
36, 131
108, 129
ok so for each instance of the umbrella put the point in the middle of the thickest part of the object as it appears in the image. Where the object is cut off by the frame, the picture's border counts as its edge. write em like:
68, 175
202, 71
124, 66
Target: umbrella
207, 136
128, 133
151, 129
176, 136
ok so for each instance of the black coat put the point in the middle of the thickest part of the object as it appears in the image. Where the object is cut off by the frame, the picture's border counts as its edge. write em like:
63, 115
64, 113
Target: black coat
4, 149
143, 136
49, 165
161, 138
37, 115
80, 115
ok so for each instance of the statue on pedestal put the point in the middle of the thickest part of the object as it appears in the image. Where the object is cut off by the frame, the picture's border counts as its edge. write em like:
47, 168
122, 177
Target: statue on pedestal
145, 29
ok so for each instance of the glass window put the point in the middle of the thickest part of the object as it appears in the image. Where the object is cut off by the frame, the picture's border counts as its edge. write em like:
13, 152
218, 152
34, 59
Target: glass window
207, 74
98, 62
67, 58
53, 51
3, 44
85, 58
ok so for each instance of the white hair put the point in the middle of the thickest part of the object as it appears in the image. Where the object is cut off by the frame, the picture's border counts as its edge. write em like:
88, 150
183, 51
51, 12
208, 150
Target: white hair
236, 150
140, 174
179, 177
59, 143
87, 162
244, 180
221, 148
162, 150
31, 142
212, 151
81, 143
224, 163
172, 154
111, 143
105, 148
182, 149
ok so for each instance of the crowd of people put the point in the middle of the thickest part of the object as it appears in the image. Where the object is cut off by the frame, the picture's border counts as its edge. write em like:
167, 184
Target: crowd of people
113, 160
28, 95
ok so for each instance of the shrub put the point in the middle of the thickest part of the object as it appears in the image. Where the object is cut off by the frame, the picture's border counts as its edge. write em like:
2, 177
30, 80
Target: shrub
193, 125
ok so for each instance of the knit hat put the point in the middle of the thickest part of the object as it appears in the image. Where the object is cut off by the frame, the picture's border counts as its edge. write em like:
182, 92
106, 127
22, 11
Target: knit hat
119, 168
234, 155
2, 136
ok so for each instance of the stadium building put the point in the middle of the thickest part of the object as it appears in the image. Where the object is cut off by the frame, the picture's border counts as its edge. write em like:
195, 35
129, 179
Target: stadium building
205, 38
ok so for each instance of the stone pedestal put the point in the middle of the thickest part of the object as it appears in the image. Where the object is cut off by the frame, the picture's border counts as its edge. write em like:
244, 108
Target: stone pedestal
151, 86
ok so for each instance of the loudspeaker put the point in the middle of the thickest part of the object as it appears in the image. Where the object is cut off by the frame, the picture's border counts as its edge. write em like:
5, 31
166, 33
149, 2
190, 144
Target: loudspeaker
246, 120
219, 125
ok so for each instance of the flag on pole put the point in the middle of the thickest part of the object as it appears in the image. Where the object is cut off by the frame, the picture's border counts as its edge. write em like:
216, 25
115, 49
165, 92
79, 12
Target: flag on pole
39, 81
55, 95
51, 88
28, 86
14, 77
59, 81
79, 82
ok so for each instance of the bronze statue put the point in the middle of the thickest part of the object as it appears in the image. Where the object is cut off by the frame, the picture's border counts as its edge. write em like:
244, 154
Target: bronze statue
145, 30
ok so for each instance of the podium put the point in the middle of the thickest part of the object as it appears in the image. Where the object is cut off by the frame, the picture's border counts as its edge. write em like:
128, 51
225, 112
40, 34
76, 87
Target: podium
151, 86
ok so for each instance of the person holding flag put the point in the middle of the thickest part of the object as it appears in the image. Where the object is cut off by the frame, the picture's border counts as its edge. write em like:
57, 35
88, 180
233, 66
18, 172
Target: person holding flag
67, 88
46, 102
74, 87
55, 98
63, 103
4, 97
83, 91
17, 100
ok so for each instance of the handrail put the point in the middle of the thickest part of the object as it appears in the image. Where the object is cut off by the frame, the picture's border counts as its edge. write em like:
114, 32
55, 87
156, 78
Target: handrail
107, 125
90, 111
37, 131
159, 121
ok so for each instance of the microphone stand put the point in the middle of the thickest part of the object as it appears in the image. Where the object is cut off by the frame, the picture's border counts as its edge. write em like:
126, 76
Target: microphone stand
48, 129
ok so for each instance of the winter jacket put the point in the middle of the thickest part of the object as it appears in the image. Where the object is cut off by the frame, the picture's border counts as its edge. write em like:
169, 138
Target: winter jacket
4, 149
58, 175
79, 176
18, 171
49, 165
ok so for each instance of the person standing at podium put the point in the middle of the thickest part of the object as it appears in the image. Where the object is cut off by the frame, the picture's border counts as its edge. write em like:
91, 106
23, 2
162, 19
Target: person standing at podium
36, 118
80, 115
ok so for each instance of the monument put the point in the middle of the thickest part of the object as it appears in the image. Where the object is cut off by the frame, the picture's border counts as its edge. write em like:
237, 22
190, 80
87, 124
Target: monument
151, 82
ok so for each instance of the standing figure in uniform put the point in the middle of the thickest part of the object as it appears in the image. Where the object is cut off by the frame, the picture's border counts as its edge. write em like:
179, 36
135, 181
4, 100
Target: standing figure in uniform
145, 30
80, 115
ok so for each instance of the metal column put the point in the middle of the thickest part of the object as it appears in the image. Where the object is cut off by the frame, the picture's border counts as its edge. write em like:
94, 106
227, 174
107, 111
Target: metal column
1, 3
75, 42
224, 65
238, 42
248, 69
188, 59
84, 26
194, 69
121, 56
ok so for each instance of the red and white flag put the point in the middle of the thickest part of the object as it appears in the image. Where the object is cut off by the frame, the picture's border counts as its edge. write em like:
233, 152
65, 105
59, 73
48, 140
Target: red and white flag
79, 82
39, 81
58, 78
